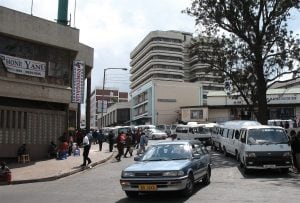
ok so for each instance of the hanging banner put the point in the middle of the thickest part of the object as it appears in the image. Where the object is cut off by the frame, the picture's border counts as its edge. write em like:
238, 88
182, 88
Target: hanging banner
78, 82
23, 66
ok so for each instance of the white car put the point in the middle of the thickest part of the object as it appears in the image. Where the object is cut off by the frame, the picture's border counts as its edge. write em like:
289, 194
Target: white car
155, 134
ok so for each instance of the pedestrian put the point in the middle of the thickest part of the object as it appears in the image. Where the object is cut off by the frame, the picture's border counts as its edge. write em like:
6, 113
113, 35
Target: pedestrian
70, 143
86, 149
295, 145
100, 138
5, 173
121, 141
111, 137
52, 150
143, 144
138, 137
95, 136
22, 150
129, 147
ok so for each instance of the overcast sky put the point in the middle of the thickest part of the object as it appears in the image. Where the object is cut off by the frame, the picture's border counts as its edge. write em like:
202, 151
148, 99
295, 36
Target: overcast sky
113, 28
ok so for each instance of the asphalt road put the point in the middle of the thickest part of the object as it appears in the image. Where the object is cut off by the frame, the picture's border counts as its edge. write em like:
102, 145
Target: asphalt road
101, 184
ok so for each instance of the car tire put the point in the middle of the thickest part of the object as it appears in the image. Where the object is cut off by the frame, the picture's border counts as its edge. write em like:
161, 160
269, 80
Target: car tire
220, 148
243, 166
224, 151
206, 178
189, 189
132, 194
284, 170
237, 156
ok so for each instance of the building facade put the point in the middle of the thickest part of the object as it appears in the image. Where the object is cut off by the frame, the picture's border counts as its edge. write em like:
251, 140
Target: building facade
158, 102
36, 81
284, 103
109, 97
117, 114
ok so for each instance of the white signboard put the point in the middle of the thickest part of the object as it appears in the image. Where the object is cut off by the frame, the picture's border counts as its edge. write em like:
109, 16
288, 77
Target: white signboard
23, 66
78, 82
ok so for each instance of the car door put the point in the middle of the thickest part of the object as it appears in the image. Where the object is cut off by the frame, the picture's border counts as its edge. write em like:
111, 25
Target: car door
200, 162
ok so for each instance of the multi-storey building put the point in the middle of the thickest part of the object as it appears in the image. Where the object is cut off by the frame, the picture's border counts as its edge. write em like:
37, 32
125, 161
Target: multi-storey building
166, 56
36, 57
109, 97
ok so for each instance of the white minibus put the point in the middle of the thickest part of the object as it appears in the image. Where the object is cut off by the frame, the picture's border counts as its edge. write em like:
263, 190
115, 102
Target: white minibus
265, 147
200, 132
230, 136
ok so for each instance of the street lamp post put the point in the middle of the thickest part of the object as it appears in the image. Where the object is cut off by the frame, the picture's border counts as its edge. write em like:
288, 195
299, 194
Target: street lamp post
102, 97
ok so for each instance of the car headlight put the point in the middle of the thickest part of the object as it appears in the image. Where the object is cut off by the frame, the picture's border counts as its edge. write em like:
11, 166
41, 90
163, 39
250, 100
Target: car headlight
287, 154
127, 174
173, 173
251, 155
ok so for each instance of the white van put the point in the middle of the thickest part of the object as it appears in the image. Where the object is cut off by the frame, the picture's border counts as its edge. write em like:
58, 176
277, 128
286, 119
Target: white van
265, 147
230, 136
195, 131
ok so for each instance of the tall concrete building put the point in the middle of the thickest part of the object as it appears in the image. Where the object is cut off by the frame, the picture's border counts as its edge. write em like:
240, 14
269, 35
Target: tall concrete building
167, 56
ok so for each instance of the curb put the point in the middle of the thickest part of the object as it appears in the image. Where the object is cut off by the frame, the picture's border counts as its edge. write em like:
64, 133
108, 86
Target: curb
51, 178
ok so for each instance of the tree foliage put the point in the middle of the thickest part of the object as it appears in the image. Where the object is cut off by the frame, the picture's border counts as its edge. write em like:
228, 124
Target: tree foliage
254, 48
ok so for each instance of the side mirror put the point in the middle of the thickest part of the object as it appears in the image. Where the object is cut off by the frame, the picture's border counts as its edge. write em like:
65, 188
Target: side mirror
196, 156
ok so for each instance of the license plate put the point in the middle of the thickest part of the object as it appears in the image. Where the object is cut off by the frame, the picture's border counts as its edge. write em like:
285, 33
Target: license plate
147, 187
270, 166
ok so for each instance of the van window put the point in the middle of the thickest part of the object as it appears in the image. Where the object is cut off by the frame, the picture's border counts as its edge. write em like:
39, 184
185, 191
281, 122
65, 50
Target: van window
237, 134
243, 136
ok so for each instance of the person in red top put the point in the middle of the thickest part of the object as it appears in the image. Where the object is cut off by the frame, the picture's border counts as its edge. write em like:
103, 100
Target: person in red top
121, 141
63, 150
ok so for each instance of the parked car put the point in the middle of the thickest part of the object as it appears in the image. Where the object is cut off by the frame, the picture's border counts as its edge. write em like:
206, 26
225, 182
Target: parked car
168, 166
155, 134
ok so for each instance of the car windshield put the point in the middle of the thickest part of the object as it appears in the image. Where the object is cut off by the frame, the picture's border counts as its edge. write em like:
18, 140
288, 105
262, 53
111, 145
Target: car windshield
167, 152
267, 136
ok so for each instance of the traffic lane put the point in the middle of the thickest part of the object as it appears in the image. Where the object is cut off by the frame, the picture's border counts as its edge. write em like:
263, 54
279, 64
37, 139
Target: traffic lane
101, 184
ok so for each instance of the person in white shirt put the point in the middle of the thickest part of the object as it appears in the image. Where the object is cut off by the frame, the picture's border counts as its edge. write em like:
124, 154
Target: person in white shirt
86, 149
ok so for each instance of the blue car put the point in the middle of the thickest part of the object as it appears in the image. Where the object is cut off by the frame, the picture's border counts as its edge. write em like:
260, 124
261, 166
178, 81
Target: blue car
168, 166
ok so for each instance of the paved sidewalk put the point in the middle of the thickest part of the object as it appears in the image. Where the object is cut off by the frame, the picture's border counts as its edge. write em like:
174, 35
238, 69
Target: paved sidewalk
51, 169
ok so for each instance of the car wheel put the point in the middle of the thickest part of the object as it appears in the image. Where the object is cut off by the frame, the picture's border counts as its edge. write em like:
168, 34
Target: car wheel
189, 188
284, 170
132, 194
237, 157
206, 178
220, 148
224, 151
153, 137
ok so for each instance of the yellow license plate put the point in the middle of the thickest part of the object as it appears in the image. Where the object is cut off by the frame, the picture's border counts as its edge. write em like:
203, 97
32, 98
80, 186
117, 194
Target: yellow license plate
147, 187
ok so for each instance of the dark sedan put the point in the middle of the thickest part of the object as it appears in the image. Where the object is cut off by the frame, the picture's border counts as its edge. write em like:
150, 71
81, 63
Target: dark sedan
168, 166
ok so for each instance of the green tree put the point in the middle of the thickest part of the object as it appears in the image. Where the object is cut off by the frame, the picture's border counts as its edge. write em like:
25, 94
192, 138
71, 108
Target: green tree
254, 48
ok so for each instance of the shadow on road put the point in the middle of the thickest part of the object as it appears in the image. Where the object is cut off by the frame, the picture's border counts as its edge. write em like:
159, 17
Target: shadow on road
220, 161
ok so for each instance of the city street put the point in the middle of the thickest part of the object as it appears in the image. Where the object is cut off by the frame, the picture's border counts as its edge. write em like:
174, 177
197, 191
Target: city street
101, 184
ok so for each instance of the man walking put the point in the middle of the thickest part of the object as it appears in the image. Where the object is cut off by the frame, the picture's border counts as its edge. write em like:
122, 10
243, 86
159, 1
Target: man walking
100, 138
86, 149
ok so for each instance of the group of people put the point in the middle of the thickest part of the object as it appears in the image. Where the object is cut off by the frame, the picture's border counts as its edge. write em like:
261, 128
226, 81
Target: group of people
129, 141
65, 148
